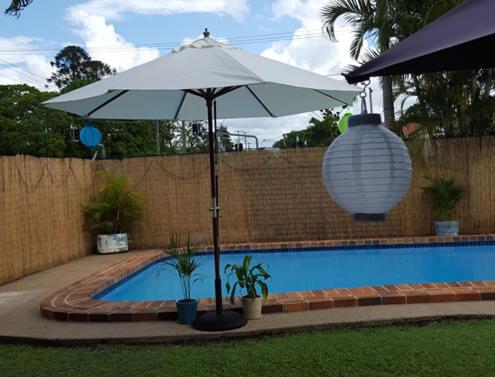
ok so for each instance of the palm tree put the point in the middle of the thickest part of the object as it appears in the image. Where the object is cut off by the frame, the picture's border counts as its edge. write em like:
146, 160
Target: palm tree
16, 6
370, 19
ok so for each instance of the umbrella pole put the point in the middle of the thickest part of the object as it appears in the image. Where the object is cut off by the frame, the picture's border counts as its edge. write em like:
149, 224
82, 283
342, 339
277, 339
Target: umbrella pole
219, 320
214, 208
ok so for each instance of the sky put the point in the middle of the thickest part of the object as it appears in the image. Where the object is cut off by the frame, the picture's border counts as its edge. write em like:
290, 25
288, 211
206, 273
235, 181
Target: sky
126, 33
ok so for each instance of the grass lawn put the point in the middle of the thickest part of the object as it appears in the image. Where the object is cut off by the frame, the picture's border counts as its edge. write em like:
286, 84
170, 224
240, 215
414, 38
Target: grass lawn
465, 348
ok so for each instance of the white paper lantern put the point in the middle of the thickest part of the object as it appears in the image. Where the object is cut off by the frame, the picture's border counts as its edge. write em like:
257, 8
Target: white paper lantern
367, 170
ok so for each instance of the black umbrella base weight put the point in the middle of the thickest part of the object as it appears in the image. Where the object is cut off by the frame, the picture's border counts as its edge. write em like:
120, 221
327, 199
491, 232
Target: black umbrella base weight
212, 321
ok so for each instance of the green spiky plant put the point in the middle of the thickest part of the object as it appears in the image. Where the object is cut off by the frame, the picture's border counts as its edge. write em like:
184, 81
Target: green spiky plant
248, 278
444, 194
182, 260
115, 208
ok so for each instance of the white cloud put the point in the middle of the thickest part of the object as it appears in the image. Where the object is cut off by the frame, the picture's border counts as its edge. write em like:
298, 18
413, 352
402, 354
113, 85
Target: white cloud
269, 130
105, 44
29, 68
102, 41
316, 54
115, 9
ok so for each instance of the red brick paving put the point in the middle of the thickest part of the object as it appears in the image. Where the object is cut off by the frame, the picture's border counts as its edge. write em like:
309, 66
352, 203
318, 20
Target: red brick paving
76, 302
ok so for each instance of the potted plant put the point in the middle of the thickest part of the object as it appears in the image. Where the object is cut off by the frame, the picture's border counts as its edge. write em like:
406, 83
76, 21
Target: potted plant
248, 278
115, 208
445, 194
182, 260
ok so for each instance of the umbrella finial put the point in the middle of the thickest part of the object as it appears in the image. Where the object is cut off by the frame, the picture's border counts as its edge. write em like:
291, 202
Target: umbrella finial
206, 33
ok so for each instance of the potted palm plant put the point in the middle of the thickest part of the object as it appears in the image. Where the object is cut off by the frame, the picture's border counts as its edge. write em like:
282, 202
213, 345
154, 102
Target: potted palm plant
445, 194
111, 214
182, 260
248, 278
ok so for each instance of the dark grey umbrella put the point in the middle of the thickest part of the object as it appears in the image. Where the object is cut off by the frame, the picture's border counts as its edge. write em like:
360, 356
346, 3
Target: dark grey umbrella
463, 38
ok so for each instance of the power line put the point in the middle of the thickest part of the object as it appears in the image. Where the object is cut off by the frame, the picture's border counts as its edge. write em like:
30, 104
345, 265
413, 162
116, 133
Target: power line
239, 40
26, 74
306, 34
11, 78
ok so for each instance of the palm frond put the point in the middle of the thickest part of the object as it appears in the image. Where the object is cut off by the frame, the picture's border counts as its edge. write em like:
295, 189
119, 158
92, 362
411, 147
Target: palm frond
17, 6
354, 12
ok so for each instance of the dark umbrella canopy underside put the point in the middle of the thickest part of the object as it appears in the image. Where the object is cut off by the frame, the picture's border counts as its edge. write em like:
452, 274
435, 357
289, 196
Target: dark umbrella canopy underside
463, 38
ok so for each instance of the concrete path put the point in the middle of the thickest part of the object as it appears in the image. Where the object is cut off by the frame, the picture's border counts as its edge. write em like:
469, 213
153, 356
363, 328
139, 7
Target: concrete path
20, 320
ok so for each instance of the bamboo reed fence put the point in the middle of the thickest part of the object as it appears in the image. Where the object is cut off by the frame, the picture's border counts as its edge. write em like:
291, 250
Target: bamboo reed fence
265, 196
41, 221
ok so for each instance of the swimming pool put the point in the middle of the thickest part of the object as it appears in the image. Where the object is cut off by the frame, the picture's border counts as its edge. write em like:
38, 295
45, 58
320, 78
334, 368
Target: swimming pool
321, 269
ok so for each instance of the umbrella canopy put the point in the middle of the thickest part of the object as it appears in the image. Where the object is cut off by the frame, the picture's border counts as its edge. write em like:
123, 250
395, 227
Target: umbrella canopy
460, 39
199, 81
161, 89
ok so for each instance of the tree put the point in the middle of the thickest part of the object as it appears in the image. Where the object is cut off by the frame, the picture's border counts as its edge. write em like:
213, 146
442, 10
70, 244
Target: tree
371, 19
28, 128
384, 22
17, 6
448, 104
224, 139
74, 63
452, 104
320, 132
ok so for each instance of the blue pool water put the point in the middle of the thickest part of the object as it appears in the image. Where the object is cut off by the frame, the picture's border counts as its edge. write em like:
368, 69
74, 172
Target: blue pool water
321, 269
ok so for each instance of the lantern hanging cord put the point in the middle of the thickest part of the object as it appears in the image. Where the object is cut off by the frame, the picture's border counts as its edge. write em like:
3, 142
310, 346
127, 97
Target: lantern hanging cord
364, 109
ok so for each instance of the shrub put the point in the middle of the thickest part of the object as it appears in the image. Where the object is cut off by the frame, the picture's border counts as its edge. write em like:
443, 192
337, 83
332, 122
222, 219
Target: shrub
444, 194
183, 261
247, 278
115, 208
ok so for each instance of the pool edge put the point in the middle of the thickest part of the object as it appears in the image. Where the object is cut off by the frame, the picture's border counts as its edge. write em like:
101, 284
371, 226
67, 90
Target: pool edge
77, 303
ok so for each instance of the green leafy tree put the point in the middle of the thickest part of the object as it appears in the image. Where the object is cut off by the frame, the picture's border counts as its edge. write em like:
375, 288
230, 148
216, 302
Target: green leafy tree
134, 138
184, 140
452, 104
28, 128
383, 23
73, 63
320, 132
447, 104
76, 84
225, 140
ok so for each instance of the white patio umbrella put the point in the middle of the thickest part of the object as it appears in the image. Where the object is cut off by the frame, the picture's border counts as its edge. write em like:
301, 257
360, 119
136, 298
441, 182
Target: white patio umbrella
185, 84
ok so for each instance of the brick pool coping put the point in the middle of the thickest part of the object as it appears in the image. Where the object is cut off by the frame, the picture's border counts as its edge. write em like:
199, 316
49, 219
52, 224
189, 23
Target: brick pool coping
76, 302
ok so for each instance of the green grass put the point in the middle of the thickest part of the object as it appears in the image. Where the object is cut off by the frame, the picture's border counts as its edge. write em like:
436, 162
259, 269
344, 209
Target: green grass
464, 348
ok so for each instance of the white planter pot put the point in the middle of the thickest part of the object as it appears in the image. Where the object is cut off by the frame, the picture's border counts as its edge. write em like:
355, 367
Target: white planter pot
111, 243
252, 307
447, 228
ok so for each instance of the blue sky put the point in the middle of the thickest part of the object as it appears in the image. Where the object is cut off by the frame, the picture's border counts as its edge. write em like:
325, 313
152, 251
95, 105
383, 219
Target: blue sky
115, 31
47, 19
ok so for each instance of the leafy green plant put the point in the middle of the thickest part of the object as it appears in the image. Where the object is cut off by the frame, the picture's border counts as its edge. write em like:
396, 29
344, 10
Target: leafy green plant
115, 207
248, 278
444, 194
183, 261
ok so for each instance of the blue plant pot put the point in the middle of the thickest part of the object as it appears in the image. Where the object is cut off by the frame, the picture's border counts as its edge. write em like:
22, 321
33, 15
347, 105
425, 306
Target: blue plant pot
447, 228
186, 311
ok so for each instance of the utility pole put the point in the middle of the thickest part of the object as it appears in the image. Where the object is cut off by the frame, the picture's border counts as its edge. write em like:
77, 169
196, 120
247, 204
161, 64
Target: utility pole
371, 99
183, 136
157, 135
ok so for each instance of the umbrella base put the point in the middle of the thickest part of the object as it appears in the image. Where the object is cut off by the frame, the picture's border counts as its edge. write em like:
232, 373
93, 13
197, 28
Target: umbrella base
211, 321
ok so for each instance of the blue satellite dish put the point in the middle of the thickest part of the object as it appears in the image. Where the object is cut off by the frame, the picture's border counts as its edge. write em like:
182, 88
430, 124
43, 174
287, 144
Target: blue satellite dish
90, 136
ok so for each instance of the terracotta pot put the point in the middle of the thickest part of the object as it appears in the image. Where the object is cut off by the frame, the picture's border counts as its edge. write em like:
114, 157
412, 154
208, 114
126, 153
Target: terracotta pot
252, 307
